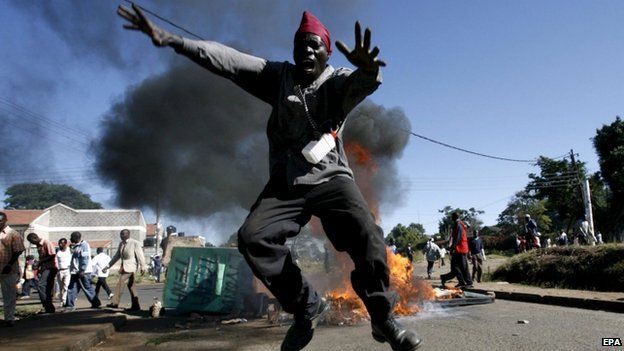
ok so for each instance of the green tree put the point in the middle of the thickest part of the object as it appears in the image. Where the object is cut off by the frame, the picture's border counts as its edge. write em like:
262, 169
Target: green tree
403, 235
558, 184
511, 220
469, 216
38, 196
609, 145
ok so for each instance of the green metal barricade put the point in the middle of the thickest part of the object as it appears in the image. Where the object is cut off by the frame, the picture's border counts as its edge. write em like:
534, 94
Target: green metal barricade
216, 280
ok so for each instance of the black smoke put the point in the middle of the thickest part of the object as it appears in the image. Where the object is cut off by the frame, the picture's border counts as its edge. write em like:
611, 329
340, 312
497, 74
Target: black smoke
186, 138
382, 132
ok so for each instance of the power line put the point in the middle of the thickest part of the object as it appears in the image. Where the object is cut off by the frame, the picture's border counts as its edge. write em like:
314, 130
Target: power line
165, 20
40, 117
465, 150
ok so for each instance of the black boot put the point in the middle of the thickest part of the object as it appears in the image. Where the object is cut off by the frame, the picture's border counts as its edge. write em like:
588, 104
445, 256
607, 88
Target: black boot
396, 335
135, 305
300, 333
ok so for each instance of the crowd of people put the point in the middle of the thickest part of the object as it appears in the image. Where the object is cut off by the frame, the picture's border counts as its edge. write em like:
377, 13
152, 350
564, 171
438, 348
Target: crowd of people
60, 273
533, 239
464, 250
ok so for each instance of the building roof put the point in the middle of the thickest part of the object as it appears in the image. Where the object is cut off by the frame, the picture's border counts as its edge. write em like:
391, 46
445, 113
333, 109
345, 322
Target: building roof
22, 217
65, 216
151, 229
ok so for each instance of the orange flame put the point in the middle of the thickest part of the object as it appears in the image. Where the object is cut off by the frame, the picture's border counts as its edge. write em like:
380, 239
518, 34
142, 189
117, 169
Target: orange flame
347, 308
364, 168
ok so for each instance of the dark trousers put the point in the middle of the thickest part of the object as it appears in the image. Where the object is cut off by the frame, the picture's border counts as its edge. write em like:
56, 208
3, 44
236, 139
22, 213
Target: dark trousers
45, 288
280, 212
27, 285
459, 269
477, 263
101, 283
430, 267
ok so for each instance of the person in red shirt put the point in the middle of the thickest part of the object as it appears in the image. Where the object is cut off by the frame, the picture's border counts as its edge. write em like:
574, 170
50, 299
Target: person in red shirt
459, 255
47, 270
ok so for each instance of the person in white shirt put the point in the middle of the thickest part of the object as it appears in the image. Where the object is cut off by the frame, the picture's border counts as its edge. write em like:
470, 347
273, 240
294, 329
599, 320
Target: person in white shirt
98, 262
63, 259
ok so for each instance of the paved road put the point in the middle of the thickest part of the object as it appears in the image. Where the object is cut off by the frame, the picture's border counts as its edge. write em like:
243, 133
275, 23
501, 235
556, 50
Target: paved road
482, 327
146, 294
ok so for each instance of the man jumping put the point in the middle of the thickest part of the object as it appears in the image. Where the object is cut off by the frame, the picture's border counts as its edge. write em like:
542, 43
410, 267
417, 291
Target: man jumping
310, 101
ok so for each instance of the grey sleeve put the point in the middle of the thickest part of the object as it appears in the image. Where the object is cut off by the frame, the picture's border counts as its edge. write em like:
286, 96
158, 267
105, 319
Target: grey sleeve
254, 74
355, 86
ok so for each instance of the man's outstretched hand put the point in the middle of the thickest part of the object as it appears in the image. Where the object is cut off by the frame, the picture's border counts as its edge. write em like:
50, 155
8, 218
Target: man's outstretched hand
138, 21
362, 56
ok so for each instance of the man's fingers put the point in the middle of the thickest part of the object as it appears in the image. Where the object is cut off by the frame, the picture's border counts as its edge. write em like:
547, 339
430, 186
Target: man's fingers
367, 39
343, 48
131, 27
380, 63
139, 13
125, 13
358, 35
374, 52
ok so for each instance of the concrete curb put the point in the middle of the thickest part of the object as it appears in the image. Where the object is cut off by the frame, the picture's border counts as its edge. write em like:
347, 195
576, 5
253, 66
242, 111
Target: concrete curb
91, 339
566, 301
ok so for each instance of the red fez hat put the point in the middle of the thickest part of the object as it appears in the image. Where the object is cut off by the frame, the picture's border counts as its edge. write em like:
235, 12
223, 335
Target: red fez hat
311, 24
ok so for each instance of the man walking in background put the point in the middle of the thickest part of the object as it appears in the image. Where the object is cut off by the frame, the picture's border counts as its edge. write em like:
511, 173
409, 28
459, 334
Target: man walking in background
99, 262
47, 270
477, 255
11, 247
80, 269
530, 232
63, 261
459, 250
432, 253
132, 260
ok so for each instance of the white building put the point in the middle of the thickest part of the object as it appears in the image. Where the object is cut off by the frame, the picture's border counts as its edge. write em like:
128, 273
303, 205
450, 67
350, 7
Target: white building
98, 227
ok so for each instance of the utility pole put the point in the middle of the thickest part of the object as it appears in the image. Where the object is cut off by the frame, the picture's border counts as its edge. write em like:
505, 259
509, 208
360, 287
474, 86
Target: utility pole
586, 194
159, 228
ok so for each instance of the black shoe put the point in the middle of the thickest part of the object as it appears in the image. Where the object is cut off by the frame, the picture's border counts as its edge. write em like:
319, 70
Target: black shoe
112, 305
300, 333
135, 305
399, 338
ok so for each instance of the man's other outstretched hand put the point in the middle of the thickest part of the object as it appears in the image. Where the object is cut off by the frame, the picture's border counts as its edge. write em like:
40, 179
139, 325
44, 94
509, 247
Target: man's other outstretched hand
138, 21
362, 56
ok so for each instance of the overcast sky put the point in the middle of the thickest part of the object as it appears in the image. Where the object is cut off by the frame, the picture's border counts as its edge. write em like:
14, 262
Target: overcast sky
505, 78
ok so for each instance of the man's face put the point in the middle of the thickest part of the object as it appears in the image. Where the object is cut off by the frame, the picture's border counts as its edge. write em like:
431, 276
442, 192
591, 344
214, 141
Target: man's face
3, 222
74, 239
124, 235
310, 56
35, 240
62, 245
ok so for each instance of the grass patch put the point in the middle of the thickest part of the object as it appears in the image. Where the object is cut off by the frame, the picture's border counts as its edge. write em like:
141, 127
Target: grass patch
598, 268
172, 337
